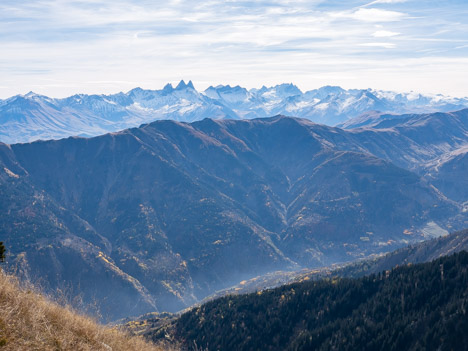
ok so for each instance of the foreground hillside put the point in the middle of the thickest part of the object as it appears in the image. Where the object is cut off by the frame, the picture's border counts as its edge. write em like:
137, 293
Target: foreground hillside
158, 217
414, 307
28, 321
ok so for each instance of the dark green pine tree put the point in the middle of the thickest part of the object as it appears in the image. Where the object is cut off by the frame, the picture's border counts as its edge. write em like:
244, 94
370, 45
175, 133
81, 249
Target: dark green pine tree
2, 252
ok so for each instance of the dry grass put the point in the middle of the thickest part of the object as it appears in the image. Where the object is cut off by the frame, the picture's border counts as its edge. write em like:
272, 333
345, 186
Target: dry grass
28, 321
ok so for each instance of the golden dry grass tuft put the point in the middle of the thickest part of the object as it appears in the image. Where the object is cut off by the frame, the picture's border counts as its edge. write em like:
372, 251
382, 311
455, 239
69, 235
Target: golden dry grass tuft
29, 321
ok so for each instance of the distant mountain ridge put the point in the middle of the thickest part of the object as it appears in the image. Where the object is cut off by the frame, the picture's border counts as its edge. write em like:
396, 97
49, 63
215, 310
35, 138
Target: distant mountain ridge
161, 216
29, 117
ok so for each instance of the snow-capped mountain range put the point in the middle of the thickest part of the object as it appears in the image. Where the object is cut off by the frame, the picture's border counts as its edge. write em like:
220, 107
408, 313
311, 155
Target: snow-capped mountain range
24, 118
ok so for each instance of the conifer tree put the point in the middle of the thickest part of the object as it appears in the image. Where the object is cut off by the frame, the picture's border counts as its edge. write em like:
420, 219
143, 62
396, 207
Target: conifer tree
2, 252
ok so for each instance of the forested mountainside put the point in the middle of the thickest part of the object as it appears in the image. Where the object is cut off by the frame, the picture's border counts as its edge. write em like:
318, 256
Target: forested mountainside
425, 251
412, 307
29, 117
158, 217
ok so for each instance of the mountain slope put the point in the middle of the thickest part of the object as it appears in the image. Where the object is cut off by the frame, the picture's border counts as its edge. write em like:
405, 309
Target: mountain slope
52, 244
177, 211
413, 307
28, 321
448, 173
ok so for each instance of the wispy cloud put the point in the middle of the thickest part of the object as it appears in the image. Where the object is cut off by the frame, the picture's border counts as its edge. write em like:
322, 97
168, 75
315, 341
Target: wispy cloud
384, 34
103, 46
380, 45
386, 2
376, 15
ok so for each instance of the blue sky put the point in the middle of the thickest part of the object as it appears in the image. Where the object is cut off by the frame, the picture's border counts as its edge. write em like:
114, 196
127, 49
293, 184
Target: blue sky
58, 47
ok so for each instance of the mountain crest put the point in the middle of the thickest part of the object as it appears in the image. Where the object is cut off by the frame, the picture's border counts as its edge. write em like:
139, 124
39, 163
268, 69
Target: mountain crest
168, 88
182, 85
30, 94
32, 116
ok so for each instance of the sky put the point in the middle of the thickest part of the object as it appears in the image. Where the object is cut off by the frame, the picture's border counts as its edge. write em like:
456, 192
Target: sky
59, 48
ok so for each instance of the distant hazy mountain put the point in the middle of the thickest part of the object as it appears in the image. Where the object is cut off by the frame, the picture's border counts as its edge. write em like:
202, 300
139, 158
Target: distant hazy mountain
160, 216
32, 117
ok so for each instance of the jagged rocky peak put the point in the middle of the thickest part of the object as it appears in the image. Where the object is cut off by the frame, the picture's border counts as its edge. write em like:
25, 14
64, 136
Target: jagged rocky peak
282, 91
182, 85
30, 94
288, 88
135, 92
225, 89
168, 88
329, 90
228, 94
